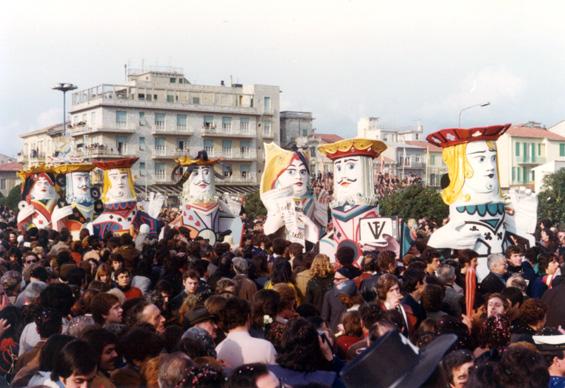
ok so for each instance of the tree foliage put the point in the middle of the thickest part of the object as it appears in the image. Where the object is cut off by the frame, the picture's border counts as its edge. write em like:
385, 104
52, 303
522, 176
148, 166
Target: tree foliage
414, 202
13, 198
551, 200
253, 205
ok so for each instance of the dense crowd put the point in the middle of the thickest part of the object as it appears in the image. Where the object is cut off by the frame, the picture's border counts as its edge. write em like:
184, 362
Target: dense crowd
179, 312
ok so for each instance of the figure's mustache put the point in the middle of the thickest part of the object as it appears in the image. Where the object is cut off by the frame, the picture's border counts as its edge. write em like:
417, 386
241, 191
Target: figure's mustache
346, 181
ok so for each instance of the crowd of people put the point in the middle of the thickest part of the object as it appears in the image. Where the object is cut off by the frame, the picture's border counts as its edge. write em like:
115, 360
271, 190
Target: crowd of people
178, 312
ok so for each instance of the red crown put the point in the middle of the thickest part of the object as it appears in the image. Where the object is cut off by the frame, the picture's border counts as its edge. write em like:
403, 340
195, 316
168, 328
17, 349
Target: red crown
110, 164
453, 136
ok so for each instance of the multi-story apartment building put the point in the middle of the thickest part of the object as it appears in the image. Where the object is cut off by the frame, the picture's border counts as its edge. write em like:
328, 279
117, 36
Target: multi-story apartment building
160, 116
522, 149
434, 166
294, 125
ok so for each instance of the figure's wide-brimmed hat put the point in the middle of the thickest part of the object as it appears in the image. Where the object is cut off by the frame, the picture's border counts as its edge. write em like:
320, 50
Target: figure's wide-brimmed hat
200, 160
353, 147
454, 136
110, 164
67, 168
393, 361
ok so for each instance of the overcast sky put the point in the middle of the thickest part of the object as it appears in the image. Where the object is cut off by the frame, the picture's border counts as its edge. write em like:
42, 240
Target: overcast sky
403, 61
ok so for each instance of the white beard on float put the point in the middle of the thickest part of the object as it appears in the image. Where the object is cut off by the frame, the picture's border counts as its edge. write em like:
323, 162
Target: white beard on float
78, 191
359, 189
192, 192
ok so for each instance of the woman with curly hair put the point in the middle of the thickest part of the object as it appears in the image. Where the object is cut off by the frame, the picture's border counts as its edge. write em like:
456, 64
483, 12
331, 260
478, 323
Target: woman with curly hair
532, 315
305, 357
264, 308
322, 280
285, 312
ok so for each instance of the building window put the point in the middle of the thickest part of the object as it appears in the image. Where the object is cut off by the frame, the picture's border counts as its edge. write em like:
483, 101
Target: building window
533, 152
160, 173
121, 119
513, 174
244, 124
208, 122
3, 184
517, 148
142, 143
141, 96
432, 159
159, 144
226, 123
226, 148
141, 166
92, 118
209, 147
562, 149
181, 121
160, 120
173, 80
539, 149
141, 119
170, 98
267, 104
196, 100
245, 146
266, 128
180, 145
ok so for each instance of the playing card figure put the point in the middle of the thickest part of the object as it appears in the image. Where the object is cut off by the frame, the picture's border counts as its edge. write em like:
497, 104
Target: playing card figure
479, 219
120, 214
285, 191
203, 212
81, 199
355, 201
39, 196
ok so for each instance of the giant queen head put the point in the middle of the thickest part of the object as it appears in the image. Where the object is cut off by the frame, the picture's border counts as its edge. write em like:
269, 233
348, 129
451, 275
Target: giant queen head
39, 184
472, 165
285, 170
118, 183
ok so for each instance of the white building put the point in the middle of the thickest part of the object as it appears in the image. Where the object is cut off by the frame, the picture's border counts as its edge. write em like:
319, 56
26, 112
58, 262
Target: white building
160, 115
294, 125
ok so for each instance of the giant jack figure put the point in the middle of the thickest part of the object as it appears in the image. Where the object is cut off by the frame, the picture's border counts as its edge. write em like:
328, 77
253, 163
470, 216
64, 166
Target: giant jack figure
287, 196
479, 219
120, 214
81, 199
39, 197
203, 212
355, 200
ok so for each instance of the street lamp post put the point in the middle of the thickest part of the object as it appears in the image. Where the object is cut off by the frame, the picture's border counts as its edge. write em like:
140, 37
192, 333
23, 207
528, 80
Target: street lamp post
64, 87
470, 107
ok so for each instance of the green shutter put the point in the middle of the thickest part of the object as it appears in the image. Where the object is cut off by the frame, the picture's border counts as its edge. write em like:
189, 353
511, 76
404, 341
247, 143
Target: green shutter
517, 148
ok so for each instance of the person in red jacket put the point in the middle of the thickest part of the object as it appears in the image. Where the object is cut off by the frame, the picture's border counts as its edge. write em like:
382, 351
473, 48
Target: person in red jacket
123, 281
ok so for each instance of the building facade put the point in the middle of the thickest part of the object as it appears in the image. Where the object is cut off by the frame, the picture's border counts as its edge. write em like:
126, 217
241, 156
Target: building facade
9, 176
294, 125
160, 116
522, 149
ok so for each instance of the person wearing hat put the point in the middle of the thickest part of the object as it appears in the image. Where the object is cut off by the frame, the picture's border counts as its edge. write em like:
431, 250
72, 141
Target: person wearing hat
120, 214
203, 213
478, 218
284, 183
38, 197
400, 363
78, 207
202, 319
354, 196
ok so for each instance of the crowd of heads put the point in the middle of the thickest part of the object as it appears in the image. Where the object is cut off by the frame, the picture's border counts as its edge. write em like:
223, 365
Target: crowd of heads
181, 312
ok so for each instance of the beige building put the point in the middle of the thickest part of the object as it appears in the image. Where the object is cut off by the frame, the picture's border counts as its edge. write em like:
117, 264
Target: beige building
434, 166
159, 116
9, 177
522, 149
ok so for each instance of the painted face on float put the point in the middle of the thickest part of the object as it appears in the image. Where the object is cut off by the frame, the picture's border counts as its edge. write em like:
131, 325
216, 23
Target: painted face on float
119, 189
201, 182
42, 189
80, 182
348, 177
485, 173
296, 176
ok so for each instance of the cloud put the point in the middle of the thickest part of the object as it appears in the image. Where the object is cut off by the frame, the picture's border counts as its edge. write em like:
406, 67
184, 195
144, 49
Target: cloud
49, 117
496, 85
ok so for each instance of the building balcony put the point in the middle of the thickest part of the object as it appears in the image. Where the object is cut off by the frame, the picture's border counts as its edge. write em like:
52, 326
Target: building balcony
233, 155
228, 132
167, 153
268, 134
530, 160
411, 166
80, 131
174, 131
162, 177
95, 151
